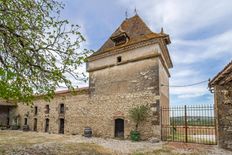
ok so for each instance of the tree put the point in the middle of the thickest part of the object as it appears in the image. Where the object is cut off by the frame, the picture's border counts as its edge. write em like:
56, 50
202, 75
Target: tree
138, 114
38, 50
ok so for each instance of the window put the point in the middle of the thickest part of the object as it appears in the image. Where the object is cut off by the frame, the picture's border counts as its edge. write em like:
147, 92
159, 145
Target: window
35, 124
47, 109
36, 110
61, 108
25, 121
46, 125
61, 128
120, 39
119, 59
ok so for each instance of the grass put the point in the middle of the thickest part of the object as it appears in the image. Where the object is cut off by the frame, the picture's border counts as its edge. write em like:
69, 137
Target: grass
178, 137
87, 148
164, 151
41, 144
63, 149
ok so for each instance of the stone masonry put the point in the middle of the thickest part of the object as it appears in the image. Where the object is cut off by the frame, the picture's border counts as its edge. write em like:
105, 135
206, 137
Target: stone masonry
222, 87
127, 71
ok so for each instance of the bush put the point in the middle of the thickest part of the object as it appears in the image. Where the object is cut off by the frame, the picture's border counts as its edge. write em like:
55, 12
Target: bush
15, 127
135, 135
137, 114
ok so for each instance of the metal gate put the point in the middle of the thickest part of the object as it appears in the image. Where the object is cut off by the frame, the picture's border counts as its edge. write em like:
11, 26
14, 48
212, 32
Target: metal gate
190, 124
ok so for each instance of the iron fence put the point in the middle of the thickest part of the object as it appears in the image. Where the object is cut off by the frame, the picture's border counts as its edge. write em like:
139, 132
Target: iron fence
190, 124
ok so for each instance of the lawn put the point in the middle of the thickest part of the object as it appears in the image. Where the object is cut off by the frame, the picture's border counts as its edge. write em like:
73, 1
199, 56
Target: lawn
20, 143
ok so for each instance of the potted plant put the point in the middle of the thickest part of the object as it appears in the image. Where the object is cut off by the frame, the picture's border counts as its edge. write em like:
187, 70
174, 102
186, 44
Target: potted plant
137, 115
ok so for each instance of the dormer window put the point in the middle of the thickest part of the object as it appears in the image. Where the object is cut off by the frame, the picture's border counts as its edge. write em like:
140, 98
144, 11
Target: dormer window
120, 39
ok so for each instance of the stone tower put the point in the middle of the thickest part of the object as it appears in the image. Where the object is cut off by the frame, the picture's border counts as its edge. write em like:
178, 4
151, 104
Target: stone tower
128, 70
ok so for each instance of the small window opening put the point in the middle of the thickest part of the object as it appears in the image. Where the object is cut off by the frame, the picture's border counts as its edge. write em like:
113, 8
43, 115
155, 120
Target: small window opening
47, 109
36, 110
46, 125
25, 121
35, 124
119, 59
61, 128
61, 108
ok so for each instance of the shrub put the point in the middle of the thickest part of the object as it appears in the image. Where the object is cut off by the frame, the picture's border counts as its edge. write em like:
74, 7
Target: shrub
137, 114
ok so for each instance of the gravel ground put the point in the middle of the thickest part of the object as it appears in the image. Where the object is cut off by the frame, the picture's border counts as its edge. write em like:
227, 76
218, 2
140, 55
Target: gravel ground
32, 143
118, 146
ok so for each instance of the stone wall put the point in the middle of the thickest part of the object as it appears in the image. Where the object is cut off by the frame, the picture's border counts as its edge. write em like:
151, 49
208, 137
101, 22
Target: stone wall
140, 76
224, 117
99, 113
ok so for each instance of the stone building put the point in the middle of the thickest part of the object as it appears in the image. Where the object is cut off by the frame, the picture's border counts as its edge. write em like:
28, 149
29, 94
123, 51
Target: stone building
126, 71
7, 110
221, 85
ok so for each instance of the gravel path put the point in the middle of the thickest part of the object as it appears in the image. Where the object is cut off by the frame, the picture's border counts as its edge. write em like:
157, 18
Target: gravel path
119, 146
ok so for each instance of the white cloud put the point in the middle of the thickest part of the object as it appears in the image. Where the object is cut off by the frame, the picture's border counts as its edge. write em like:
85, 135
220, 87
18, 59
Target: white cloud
186, 77
189, 92
189, 19
180, 16
199, 50
185, 73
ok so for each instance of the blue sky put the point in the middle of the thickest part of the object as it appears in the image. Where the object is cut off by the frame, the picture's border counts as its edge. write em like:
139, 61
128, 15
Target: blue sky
200, 31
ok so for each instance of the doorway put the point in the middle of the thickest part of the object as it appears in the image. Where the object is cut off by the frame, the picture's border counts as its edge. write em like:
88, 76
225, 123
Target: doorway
46, 125
119, 128
35, 124
61, 129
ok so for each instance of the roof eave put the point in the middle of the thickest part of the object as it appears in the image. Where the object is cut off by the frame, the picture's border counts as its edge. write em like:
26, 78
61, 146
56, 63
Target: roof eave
216, 78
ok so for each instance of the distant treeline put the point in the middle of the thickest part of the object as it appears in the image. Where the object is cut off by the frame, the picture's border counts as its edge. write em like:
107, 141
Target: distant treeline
193, 120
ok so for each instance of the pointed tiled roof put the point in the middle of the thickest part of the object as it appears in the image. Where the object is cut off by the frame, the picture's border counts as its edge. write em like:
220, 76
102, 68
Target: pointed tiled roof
135, 29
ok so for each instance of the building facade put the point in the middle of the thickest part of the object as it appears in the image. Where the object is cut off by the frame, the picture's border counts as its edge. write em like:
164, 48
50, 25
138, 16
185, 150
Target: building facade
221, 85
130, 69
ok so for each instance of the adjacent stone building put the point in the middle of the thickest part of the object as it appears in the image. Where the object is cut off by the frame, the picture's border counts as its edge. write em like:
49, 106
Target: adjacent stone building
125, 72
221, 85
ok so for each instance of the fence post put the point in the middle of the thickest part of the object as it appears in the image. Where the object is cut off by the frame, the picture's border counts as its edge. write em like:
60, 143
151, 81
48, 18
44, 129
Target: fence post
161, 123
215, 122
186, 123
